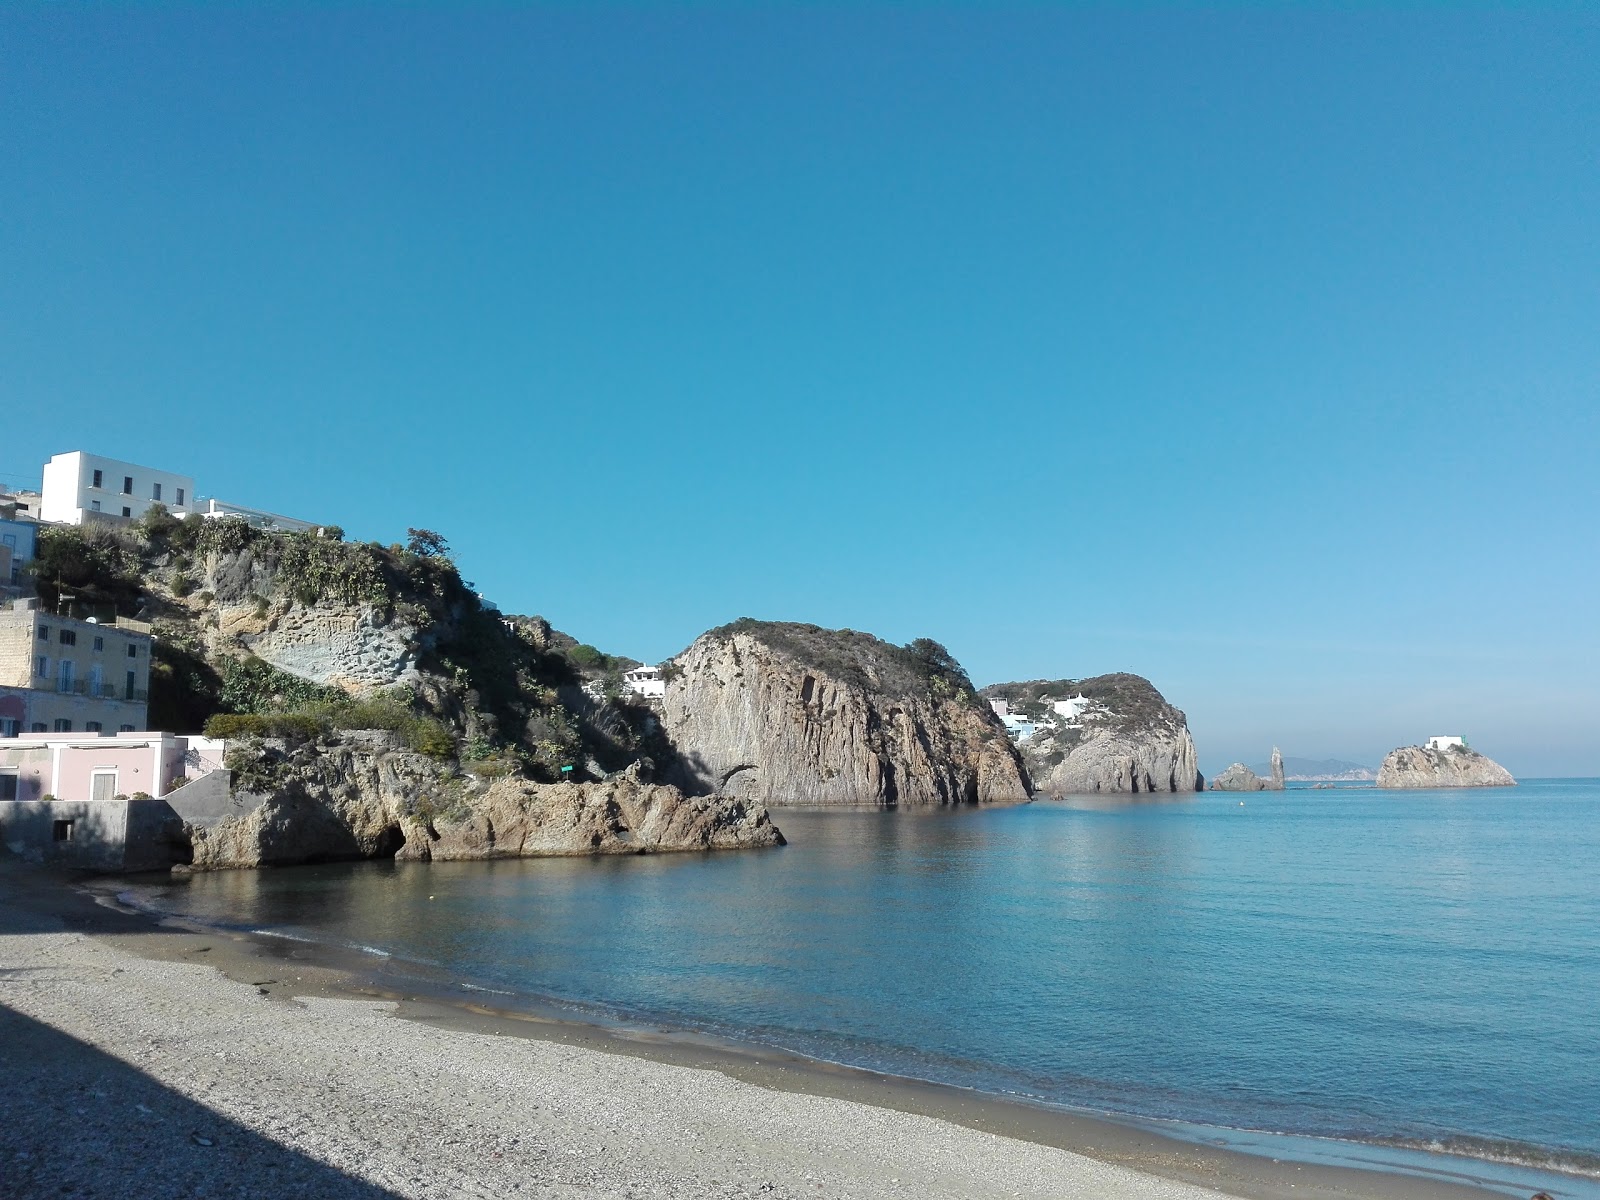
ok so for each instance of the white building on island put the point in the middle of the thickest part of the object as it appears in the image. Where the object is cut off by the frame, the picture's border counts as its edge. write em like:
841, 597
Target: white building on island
1446, 742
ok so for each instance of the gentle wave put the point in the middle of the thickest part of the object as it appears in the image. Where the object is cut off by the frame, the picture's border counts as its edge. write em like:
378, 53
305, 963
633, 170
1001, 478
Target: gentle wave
1498, 1150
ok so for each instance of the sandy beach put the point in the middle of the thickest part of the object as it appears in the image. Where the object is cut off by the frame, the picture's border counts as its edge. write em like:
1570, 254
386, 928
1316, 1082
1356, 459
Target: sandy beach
149, 1062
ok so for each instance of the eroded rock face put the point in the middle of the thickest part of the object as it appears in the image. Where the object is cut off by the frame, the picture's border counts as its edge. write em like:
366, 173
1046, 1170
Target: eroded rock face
353, 647
795, 715
518, 819
1125, 738
1457, 766
367, 798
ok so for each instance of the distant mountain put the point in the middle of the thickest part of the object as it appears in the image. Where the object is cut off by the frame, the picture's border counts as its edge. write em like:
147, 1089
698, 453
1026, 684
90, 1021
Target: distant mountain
1319, 769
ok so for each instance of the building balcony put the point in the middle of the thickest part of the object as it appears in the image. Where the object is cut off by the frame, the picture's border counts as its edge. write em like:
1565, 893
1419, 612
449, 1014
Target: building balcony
83, 687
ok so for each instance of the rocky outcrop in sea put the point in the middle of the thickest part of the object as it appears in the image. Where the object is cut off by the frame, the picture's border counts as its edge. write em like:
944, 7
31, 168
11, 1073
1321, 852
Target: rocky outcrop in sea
1125, 738
1237, 778
366, 797
1240, 778
1453, 766
784, 713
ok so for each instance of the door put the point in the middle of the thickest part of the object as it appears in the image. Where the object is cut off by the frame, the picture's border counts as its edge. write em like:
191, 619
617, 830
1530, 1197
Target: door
102, 785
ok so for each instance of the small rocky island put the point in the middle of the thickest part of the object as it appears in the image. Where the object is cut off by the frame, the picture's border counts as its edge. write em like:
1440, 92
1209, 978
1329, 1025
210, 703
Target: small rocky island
1240, 778
1442, 763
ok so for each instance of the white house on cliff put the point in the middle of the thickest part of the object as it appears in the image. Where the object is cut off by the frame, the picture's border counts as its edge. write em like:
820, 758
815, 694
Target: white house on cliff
80, 487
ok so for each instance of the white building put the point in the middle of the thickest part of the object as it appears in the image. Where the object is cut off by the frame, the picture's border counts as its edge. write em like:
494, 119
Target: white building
1071, 710
215, 509
1444, 742
1019, 727
1001, 707
81, 487
78, 485
645, 681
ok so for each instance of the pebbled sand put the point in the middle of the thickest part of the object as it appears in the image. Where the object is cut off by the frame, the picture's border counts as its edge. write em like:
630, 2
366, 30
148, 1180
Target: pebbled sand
419, 1111
139, 1062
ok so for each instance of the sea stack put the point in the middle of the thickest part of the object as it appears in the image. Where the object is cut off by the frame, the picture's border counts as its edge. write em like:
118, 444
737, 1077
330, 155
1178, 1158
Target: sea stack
1444, 762
1240, 778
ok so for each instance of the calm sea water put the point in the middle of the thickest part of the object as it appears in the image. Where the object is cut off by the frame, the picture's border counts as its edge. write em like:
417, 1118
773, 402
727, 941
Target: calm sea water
1422, 967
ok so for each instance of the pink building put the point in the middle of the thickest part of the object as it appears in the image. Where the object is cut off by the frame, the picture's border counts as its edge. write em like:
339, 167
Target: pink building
88, 767
103, 802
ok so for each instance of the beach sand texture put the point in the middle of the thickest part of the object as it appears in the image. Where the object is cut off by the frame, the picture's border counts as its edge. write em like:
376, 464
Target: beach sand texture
147, 1062
183, 1082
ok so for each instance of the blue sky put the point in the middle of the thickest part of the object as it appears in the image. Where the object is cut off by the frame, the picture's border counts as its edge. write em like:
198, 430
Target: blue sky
1255, 350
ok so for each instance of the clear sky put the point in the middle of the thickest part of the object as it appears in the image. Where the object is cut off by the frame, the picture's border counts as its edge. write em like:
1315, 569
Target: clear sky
1253, 350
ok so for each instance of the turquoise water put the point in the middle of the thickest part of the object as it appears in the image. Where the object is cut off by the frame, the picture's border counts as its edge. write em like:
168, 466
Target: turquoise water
1419, 968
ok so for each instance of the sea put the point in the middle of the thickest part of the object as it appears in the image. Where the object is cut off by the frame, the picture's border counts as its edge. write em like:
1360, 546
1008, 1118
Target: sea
1345, 975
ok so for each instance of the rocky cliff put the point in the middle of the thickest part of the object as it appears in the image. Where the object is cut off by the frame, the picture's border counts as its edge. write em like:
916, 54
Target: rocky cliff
1124, 736
252, 621
794, 714
1457, 766
368, 797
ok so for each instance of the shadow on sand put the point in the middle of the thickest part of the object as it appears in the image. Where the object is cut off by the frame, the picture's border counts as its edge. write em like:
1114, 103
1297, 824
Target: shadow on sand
76, 1122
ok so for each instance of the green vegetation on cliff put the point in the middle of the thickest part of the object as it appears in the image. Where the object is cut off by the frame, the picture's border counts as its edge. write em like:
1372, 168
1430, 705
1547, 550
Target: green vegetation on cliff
1130, 701
497, 690
921, 667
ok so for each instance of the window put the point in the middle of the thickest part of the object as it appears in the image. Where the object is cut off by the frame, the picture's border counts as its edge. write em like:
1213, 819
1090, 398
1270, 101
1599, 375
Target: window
8, 786
41, 665
99, 644
69, 637
155, 491
126, 511
127, 485
130, 685
61, 831
10, 727
94, 505
97, 679
63, 724
125, 728
180, 497
36, 727
8, 539
44, 633
93, 727
68, 674
99, 479
103, 785
133, 650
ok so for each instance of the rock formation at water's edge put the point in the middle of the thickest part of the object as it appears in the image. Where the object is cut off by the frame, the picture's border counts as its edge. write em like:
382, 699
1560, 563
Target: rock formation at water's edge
784, 713
1121, 736
1453, 766
367, 797
1240, 778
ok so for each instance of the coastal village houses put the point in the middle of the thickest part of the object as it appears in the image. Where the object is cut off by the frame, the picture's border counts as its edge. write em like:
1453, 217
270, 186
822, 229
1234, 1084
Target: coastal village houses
83, 781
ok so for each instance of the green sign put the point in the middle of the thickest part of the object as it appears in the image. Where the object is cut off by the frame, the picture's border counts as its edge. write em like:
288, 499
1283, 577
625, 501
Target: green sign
565, 769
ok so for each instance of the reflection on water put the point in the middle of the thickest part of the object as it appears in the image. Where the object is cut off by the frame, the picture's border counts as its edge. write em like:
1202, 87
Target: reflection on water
1348, 963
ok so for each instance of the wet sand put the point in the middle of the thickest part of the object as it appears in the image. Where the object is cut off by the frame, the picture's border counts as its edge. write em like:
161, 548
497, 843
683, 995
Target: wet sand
144, 1060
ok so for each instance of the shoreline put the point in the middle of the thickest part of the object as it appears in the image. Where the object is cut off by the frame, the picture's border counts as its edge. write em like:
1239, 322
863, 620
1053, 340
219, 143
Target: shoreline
1237, 1163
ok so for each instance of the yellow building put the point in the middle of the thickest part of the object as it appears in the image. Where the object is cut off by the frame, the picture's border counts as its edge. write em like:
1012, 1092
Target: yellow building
62, 675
